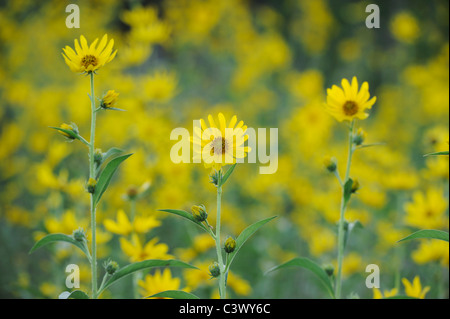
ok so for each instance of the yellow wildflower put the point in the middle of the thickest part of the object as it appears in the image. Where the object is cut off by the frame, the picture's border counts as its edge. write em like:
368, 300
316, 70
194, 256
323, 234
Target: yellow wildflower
220, 145
89, 58
153, 284
414, 289
151, 250
349, 102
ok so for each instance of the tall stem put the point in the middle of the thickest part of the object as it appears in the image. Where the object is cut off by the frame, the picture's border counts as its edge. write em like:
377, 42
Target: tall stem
342, 215
92, 175
222, 290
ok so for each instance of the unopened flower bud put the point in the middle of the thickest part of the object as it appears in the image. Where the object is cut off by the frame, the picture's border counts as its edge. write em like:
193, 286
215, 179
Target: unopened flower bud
230, 245
98, 156
330, 163
329, 269
359, 137
79, 235
355, 186
72, 128
199, 213
214, 270
111, 267
132, 192
91, 185
109, 100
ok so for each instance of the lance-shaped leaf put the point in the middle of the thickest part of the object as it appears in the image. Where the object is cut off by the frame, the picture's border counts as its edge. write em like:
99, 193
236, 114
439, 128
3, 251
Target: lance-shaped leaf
150, 263
437, 153
174, 294
244, 236
105, 157
427, 233
349, 229
227, 174
310, 265
106, 175
186, 215
53, 238
76, 294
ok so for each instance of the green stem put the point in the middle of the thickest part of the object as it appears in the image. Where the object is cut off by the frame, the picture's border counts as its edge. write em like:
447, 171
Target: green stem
341, 231
136, 274
92, 175
222, 288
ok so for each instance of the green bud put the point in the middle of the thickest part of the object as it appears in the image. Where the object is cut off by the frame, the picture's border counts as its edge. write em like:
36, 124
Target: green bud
330, 163
215, 177
199, 213
214, 270
329, 269
91, 185
230, 245
355, 186
98, 156
111, 267
359, 137
79, 235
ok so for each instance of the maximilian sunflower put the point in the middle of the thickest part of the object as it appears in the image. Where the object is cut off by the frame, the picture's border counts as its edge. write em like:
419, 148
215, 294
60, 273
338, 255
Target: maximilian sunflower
220, 145
87, 58
349, 102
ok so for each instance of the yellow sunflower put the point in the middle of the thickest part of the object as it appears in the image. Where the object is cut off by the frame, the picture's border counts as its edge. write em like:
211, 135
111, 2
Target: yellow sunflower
87, 58
220, 145
349, 102
159, 282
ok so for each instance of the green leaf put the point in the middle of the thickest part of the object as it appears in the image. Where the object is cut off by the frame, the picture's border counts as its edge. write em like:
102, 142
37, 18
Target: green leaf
111, 152
52, 238
186, 215
350, 227
174, 294
437, 153
310, 265
106, 175
76, 294
227, 174
244, 236
427, 233
348, 189
150, 263
400, 297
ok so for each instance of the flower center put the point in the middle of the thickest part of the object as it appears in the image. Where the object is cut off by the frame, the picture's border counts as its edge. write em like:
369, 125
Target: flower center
89, 60
219, 146
350, 108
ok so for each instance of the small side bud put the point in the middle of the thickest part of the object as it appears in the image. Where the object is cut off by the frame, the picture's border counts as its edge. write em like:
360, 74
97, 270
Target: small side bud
199, 213
330, 163
98, 156
111, 267
359, 137
109, 100
329, 269
214, 270
72, 128
79, 235
355, 186
214, 178
91, 185
230, 245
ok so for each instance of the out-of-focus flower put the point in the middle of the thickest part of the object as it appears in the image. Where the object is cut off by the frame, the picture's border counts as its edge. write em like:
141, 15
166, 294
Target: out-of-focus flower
349, 102
427, 210
220, 145
414, 289
158, 282
377, 294
89, 58
151, 250
404, 27
123, 226
430, 251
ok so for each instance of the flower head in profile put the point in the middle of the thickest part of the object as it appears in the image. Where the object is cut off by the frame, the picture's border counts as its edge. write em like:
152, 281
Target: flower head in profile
220, 144
87, 59
414, 289
350, 101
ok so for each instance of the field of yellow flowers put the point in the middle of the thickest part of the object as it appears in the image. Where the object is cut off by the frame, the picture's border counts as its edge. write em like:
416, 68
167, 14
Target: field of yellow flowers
357, 111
